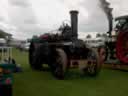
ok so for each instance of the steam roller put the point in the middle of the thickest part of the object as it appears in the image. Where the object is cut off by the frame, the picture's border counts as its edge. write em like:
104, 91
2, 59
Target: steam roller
64, 50
117, 45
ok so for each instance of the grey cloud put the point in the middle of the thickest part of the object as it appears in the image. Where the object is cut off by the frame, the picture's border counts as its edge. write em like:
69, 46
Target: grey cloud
23, 17
29, 21
120, 7
25, 20
20, 3
97, 21
2, 19
29, 32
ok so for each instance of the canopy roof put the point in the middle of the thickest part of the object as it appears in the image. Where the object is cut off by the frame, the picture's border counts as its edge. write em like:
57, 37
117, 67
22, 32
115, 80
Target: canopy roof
121, 17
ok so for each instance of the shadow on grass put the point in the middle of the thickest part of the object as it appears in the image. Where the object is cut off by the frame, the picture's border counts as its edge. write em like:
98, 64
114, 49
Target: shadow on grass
78, 75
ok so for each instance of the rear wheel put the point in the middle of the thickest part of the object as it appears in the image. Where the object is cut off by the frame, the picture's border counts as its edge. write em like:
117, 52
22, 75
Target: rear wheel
31, 54
60, 64
35, 57
122, 47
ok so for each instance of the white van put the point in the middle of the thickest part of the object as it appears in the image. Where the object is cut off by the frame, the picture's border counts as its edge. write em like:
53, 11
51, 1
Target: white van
94, 42
2, 42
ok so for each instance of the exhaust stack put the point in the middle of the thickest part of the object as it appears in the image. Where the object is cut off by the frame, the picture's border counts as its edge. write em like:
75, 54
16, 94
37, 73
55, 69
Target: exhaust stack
74, 23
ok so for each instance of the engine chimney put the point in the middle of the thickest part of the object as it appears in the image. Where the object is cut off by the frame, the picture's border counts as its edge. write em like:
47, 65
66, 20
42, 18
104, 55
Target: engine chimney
74, 23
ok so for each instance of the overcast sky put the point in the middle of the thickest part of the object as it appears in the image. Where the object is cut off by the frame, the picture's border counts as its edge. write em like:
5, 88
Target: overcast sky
24, 18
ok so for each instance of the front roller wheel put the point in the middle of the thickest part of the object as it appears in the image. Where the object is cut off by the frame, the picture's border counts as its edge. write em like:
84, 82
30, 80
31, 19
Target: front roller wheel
93, 63
35, 59
60, 64
31, 54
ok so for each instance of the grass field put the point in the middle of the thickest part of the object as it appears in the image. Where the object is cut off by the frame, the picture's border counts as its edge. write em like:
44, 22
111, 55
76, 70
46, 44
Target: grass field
33, 83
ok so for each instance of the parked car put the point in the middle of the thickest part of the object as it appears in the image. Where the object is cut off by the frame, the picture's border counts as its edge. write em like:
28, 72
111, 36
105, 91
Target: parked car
3, 42
95, 42
24, 47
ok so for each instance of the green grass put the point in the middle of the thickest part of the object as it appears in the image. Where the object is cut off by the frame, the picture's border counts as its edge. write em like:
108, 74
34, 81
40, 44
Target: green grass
33, 83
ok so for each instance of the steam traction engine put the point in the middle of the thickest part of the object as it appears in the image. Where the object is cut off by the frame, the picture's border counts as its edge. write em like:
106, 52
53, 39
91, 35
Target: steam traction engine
116, 44
122, 39
63, 50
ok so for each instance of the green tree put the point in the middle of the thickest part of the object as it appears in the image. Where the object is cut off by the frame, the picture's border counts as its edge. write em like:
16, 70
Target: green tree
88, 36
98, 35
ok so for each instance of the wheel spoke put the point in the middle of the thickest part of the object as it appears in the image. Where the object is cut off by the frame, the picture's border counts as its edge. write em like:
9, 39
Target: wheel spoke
91, 66
93, 63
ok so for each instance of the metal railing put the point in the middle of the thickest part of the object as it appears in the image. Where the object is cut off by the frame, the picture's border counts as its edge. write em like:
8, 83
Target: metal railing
5, 54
